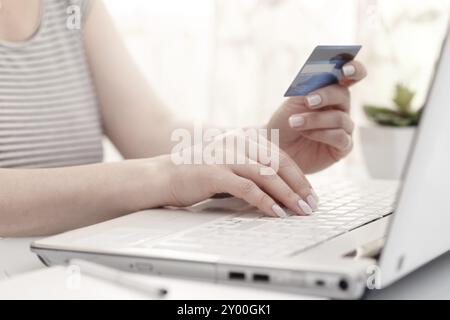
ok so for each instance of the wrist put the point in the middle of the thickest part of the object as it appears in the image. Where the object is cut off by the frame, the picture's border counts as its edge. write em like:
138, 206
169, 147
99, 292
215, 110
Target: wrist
149, 183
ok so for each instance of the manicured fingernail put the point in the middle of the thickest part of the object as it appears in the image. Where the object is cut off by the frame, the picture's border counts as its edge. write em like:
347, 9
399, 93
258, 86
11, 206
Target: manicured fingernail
314, 100
305, 207
348, 70
312, 202
314, 194
296, 121
279, 211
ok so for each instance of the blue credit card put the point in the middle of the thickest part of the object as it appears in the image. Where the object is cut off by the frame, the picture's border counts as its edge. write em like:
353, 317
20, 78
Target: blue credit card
323, 68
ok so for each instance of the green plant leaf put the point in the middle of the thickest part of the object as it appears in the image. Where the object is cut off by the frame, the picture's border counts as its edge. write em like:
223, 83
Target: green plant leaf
388, 117
403, 98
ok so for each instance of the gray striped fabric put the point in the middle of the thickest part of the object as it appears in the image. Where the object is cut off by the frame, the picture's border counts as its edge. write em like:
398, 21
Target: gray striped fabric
48, 108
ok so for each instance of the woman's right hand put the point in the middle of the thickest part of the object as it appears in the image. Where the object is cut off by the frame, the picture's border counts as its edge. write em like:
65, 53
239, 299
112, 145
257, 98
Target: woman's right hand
188, 184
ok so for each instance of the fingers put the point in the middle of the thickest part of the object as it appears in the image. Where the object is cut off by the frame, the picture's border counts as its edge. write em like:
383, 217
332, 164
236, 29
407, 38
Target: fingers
265, 176
288, 170
296, 179
353, 72
275, 186
334, 95
295, 104
249, 191
330, 119
336, 138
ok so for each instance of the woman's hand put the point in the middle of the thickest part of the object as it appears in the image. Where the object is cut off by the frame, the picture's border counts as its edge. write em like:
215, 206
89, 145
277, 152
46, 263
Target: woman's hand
316, 130
262, 185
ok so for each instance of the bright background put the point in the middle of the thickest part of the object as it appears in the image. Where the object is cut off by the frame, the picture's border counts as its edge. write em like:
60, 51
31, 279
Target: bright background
229, 62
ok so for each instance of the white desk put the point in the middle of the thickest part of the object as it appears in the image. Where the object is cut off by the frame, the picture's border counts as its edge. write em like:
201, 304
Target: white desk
429, 282
16, 257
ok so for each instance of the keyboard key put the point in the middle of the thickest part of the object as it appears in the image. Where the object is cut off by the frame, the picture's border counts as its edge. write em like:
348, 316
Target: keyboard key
343, 208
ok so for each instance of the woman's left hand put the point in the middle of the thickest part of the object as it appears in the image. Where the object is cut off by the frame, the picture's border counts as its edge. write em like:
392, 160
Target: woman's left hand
316, 130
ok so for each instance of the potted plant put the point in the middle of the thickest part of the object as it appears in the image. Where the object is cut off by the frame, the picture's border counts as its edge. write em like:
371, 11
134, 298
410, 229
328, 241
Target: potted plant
386, 144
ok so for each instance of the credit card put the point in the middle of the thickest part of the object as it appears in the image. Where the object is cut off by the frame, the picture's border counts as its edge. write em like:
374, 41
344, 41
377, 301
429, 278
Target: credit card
323, 68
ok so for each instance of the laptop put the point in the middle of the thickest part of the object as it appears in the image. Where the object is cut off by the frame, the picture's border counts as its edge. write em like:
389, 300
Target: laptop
352, 244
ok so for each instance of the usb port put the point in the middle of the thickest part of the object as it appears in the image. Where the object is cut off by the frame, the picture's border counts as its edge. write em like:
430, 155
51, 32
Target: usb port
236, 275
261, 277
320, 283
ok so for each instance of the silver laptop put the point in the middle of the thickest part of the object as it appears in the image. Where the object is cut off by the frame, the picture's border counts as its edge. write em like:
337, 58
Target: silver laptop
352, 244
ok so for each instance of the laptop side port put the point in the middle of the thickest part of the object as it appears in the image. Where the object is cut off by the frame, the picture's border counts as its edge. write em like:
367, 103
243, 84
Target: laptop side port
320, 283
233, 275
343, 284
259, 277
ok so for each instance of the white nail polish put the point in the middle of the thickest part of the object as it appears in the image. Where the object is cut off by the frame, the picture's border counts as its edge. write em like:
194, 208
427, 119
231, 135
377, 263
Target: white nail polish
296, 121
314, 100
279, 211
312, 202
314, 194
348, 70
305, 207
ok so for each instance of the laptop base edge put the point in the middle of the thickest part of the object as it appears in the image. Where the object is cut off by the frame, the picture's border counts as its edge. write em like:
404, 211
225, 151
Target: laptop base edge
337, 285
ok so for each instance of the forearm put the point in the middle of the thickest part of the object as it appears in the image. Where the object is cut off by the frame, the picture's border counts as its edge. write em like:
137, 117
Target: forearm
47, 201
145, 142
141, 134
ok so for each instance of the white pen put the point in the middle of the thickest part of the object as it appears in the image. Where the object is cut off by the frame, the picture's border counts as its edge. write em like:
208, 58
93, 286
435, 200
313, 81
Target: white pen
124, 279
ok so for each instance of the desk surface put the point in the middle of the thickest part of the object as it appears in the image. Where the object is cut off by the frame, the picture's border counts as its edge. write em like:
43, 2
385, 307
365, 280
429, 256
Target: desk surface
430, 282
16, 257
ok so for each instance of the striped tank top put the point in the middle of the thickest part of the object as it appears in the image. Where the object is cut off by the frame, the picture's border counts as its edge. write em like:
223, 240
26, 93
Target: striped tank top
48, 109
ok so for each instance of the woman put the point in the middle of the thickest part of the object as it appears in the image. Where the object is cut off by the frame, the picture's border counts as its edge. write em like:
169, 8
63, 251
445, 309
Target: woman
61, 88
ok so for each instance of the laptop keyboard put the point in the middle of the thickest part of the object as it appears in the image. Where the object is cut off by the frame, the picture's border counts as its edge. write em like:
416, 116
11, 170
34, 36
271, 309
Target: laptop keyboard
343, 207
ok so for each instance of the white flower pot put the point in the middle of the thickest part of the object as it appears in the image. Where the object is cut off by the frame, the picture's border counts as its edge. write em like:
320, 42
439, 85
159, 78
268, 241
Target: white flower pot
386, 150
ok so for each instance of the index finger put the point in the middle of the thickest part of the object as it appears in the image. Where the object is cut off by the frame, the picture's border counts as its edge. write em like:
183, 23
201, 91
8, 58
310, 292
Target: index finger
353, 72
